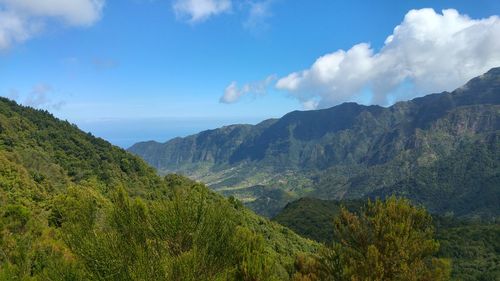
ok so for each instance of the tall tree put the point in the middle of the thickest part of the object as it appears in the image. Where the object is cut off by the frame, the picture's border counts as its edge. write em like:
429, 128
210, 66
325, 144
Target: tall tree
387, 240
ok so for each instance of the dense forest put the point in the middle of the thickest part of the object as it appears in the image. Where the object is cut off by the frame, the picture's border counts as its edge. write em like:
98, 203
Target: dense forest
473, 245
74, 207
444, 145
249, 140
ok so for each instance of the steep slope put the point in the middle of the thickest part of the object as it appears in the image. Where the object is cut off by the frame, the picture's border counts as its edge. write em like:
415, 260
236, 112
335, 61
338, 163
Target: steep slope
353, 151
48, 165
55, 154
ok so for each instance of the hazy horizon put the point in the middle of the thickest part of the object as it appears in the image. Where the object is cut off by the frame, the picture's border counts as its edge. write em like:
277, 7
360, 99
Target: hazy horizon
138, 70
124, 133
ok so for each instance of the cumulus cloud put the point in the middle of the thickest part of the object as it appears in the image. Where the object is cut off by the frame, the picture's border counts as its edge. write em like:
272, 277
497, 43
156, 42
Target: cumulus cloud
428, 52
233, 93
200, 10
22, 19
14, 29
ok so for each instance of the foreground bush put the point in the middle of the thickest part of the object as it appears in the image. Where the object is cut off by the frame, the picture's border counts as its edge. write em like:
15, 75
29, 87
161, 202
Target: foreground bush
389, 240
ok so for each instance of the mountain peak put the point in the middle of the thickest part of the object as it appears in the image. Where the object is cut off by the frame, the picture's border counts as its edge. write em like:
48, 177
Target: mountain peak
488, 79
494, 71
349, 150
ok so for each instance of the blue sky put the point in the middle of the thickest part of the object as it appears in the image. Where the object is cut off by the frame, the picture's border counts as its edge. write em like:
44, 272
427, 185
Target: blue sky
133, 70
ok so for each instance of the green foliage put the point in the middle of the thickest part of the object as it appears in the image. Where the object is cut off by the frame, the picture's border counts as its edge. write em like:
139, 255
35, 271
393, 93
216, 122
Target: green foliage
56, 153
312, 218
469, 178
389, 240
472, 245
74, 207
443, 145
253, 264
188, 237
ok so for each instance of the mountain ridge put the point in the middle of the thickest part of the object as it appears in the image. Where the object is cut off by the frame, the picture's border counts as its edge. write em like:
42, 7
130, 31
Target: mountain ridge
491, 72
346, 151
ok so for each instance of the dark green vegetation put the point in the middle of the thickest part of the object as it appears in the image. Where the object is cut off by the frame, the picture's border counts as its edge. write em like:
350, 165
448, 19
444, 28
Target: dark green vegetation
390, 240
313, 218
439, 146
74, 207
472, 245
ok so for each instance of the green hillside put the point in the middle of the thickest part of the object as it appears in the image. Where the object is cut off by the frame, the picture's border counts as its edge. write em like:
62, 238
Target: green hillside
473, 246
74, 207
440, 145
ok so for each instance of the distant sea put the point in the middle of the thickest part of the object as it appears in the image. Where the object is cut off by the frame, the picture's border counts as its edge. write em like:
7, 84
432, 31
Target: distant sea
126, 132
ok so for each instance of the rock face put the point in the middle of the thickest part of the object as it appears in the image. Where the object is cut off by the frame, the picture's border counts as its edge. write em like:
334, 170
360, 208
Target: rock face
444, 145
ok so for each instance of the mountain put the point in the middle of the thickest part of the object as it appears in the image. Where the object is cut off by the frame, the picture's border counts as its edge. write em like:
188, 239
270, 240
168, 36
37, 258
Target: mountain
444, 145
473, 245
74, 207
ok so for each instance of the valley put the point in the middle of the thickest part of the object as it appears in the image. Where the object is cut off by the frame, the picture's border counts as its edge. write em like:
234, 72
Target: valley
442, 145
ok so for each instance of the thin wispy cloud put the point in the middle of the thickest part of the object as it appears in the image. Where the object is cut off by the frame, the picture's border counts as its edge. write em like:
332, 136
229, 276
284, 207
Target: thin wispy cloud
104, 63
258, 14
20, 20
234, 93
195, 11
40, 97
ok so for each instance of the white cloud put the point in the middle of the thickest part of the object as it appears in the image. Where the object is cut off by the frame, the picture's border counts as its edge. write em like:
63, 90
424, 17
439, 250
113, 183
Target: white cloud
200, 10
73, 12
428, 52
22, 19
257, 14
233, 93
14, 29
194, 11
310, 104
39, 97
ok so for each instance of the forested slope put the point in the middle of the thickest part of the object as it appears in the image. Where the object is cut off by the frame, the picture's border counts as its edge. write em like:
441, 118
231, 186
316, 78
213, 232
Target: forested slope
472, 245
436, 146
74, 207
